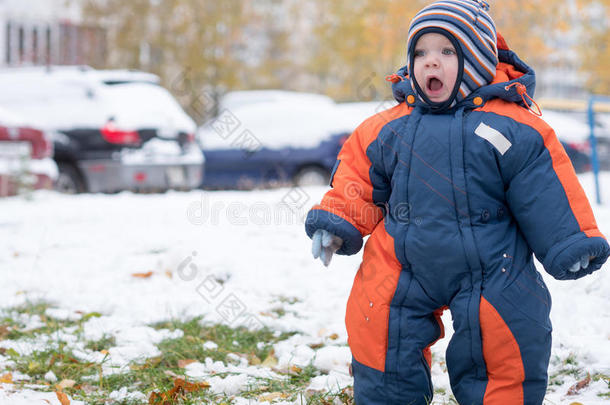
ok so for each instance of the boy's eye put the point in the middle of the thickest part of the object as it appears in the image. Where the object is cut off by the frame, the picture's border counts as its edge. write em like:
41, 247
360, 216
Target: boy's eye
448, 51
418, 52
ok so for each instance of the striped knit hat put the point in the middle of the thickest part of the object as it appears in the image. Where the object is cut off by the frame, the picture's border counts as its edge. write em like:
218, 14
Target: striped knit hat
469, 26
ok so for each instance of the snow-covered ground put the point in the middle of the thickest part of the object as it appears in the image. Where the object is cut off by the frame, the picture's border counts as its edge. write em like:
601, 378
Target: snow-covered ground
231, 257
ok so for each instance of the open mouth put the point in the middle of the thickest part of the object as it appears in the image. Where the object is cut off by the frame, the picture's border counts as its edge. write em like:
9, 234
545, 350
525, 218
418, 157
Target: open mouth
434, 85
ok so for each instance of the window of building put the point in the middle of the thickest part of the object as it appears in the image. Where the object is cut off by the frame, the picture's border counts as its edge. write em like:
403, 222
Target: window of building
7, 43
21, 43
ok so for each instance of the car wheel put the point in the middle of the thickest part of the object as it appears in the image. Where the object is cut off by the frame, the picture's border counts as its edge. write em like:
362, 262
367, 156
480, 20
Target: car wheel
312, 176
69, 180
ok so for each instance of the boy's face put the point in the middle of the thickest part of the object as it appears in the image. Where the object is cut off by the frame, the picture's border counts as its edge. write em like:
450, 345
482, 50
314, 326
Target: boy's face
435, 66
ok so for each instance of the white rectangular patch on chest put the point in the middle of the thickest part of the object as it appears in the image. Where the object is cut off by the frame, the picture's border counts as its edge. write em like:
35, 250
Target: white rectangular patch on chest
494, 137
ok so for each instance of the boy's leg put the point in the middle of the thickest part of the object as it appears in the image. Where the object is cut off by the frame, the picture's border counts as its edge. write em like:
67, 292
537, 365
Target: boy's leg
414, 326
515, 345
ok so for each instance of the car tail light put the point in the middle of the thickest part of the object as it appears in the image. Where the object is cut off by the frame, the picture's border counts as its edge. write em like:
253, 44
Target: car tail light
114, 135
190, 138
584, 147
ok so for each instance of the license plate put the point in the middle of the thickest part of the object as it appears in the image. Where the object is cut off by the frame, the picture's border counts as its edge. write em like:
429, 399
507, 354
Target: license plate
15, 150
175, 176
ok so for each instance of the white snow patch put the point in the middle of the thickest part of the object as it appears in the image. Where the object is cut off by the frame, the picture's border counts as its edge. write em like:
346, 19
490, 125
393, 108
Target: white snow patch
209, 345
50, 376
333, 382
331, 358
123, 395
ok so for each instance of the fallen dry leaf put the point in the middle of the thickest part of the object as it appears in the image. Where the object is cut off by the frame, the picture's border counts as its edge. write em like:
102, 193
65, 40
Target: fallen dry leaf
63, 384
180, 387
7, 378
253, 360
191, 387
63, 398
185, 362
272, 396
104, 351
334, 336
169, 274
270, 361
576, 388
142, 275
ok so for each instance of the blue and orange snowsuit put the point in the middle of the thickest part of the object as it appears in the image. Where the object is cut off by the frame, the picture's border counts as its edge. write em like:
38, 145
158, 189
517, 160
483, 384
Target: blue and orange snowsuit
455, 204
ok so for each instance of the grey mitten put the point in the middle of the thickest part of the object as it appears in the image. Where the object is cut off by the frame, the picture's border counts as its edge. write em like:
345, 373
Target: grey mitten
582, 264
324, 245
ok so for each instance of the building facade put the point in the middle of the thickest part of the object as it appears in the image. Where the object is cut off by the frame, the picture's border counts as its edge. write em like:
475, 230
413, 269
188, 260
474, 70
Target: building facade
48, 32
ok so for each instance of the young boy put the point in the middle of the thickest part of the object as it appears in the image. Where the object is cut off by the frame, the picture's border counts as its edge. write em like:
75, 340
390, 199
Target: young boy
457, 186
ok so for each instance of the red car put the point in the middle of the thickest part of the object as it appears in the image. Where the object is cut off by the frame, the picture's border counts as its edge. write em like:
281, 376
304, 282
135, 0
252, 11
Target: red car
25, 157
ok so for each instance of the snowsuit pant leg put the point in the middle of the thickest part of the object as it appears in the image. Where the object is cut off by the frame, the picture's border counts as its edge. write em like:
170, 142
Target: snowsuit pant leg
414, 324
515, 337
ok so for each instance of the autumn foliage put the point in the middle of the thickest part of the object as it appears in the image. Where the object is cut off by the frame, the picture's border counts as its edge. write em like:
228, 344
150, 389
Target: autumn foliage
336, 47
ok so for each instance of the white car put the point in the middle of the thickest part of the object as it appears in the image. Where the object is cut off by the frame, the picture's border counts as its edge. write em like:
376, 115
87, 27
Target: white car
114, 129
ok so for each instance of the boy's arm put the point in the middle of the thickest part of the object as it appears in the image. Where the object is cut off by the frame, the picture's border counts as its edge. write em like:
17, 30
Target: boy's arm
360, 188
550, 205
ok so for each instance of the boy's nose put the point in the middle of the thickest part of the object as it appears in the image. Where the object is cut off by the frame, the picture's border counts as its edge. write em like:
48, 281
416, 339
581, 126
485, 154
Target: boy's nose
432, 60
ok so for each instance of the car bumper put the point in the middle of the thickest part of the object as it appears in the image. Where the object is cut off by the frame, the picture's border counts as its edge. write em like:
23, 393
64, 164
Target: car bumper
111, 176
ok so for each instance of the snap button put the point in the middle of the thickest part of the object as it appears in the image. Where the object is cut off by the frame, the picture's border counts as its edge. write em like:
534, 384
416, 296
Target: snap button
371, 304
477, 101
485, 216
366, 318
410, 99
500, 212
503, 270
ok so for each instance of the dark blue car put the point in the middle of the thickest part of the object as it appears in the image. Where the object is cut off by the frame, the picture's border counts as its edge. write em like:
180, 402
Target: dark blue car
239, 168
276, 138
581, 160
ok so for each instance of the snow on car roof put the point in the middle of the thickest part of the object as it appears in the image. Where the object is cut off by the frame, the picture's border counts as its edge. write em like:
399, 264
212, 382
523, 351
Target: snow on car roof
81, 73
71, 97
10, 119
239, 99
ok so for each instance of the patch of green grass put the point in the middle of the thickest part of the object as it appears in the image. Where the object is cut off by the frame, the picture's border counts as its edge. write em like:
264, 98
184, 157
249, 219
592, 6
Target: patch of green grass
159, 374
60, 361
16, 330
32, 308
229, 340
567, 367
